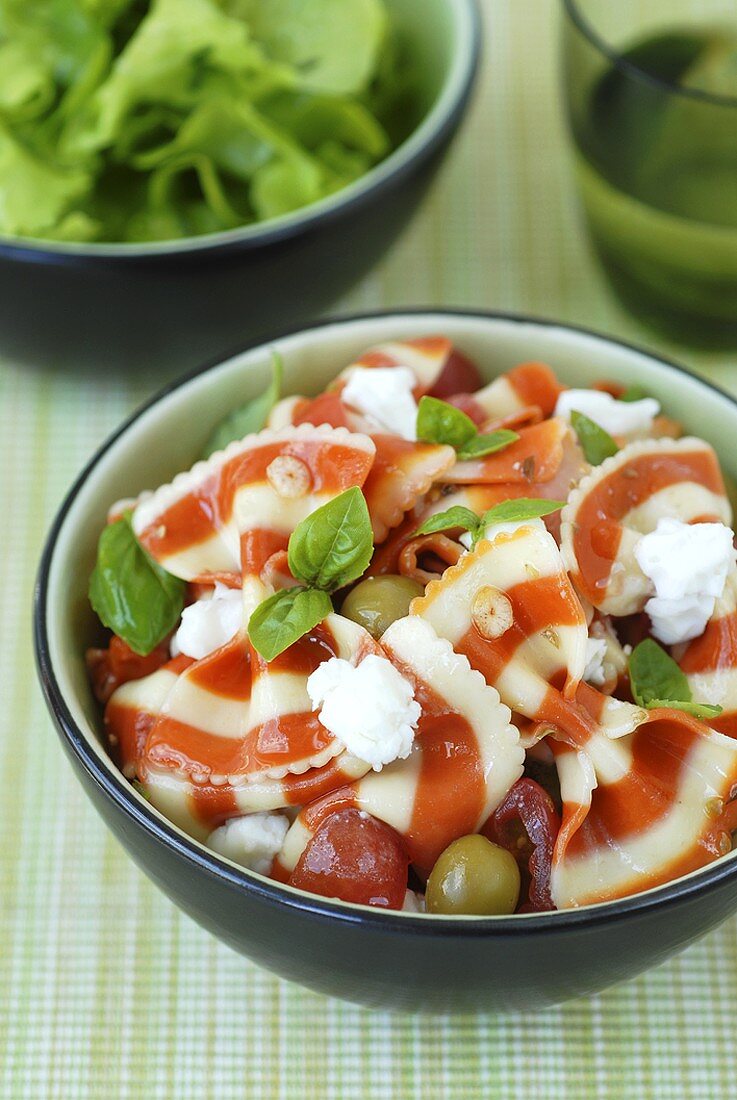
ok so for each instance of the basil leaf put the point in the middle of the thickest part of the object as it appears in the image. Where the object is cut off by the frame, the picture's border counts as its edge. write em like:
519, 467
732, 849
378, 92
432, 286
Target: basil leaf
250, 417
454, 517
285, 617
439, 422
487, 444
657, 681
333, 545
516, 511
595, 442
698, 710
633, 393
130, 592
654, 675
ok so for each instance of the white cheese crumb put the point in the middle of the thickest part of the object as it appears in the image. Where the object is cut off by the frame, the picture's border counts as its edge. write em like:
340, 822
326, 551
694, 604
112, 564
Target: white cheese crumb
595, 653
622, 418
252, 840
413, 902
209, 623
688, 565
370, 707
384, 396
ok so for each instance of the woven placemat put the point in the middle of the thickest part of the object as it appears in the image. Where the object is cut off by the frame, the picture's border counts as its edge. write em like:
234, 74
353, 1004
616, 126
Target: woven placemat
106, 990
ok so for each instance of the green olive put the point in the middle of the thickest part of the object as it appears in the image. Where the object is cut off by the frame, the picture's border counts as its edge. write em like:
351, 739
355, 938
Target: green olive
473, 876
377, 602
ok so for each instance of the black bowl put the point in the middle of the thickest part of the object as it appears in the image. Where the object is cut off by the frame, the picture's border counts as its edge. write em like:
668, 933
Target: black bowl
170, 305
376, 957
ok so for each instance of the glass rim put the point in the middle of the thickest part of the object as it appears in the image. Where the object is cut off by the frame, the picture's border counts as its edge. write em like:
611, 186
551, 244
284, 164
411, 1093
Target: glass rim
584, 26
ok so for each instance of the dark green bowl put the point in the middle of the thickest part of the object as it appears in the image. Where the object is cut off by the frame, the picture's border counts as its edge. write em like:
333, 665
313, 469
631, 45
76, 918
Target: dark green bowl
397, 960
170, 305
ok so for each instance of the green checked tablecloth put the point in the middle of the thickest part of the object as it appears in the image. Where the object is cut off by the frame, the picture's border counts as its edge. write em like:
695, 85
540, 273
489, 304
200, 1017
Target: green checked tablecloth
107, 990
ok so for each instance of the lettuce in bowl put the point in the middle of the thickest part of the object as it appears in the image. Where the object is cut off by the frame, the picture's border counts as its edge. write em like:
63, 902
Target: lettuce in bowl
133, 121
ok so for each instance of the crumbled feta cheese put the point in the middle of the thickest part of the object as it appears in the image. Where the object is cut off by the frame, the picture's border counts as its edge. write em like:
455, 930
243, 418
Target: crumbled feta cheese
384, 396
209, 623
413, 902
252, 840
688, 565
628, 418
495, 529
595, 653
370, 707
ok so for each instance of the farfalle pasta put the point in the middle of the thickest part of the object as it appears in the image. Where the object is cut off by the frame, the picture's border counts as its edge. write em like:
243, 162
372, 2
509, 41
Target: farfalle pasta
233, 511
430, 644
464, 759
642, 809
623, 499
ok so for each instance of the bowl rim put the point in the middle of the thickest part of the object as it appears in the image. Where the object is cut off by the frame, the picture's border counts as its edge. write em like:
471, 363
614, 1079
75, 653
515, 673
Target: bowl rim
435, 128
111, 782
573, 9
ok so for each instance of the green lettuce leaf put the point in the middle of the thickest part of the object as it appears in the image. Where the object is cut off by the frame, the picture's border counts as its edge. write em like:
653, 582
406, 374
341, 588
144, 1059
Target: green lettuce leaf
181, 51
26, 84
35, 195
144, 120
334, 45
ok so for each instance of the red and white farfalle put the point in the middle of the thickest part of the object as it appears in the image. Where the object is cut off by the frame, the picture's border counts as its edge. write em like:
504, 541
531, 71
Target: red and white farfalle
710, 661
643, 809
227, 516
510, 608
525, 394
404, 469
229, 734
623, 499
465, 757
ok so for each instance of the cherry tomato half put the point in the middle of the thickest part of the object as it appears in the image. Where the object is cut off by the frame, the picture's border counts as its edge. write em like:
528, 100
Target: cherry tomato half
116, 665
354, 857
459, 375
527, 824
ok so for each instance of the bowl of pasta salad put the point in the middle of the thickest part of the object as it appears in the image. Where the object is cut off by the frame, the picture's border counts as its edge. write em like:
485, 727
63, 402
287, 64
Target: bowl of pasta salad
400, 651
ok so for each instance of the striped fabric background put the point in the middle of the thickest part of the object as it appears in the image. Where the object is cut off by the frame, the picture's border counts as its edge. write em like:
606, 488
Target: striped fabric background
106, 990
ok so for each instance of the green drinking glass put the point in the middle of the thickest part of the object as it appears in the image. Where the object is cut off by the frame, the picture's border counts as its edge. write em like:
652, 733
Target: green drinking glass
651, 96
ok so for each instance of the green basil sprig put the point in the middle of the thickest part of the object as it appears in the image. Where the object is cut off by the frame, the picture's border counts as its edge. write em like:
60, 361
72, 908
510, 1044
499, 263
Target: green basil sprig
130, 592
657, 681
327, 550
510, 511
595, 442
439, 422
333, 546
250, 417
452, 519
285, 617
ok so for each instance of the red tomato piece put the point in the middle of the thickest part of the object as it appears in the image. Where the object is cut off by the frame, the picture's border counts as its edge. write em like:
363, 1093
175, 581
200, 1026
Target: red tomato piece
459, 375
326, 408
527, 824
355, 858
614, 389
467, 403
118, 664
